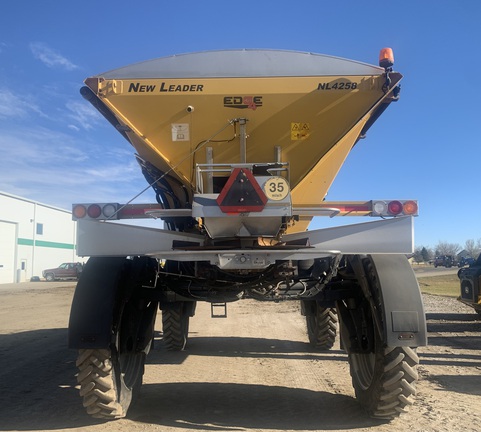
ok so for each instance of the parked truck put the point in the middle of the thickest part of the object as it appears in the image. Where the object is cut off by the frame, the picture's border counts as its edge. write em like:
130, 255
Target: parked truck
470, 286
241, 148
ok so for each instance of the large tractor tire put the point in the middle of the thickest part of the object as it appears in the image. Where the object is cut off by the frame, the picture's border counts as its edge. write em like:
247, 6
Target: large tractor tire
384, 378
175, 326
322, 327
110, 378
109, 381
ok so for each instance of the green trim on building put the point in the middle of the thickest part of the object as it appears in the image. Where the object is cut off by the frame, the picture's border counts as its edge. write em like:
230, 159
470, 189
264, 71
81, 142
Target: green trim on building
42, 243
25, 242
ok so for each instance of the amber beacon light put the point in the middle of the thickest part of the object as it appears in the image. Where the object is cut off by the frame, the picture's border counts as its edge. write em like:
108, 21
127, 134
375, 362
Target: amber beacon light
386, 58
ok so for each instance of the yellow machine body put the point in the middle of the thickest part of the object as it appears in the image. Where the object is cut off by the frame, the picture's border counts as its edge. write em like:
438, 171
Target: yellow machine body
307, 109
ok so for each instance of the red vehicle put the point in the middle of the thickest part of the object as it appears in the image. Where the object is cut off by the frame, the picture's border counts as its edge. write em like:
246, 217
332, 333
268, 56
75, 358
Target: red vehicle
63, 271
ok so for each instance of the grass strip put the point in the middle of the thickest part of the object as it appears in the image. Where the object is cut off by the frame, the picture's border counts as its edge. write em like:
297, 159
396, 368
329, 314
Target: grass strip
446, 285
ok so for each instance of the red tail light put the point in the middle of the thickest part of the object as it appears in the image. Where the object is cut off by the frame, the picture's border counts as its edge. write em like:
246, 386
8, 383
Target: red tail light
94, 211
394, 207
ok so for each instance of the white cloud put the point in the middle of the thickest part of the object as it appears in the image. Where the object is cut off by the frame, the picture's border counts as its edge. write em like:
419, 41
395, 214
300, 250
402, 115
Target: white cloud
50, 57
83, 114
12, 105
58, 168
34, 147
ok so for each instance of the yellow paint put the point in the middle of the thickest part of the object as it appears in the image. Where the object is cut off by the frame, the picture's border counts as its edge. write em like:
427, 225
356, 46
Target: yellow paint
314, 124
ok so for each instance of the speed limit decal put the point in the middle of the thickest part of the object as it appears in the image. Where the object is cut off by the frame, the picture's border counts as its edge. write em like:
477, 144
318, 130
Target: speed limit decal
276, 188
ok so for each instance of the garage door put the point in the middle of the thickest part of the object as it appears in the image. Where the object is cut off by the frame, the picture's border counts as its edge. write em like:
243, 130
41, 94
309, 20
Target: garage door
7, 252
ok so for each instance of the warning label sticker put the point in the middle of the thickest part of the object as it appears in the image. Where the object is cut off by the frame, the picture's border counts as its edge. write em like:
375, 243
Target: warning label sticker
180, 132
300, 131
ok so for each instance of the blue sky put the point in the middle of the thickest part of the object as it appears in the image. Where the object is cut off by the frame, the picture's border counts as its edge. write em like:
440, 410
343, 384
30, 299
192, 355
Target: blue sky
56, 149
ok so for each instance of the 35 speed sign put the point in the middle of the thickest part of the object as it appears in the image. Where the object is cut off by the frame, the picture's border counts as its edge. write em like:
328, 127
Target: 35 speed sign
276, 188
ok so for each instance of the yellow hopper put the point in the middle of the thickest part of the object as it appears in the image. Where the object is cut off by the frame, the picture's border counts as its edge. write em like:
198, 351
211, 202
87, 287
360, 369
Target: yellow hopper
302, 108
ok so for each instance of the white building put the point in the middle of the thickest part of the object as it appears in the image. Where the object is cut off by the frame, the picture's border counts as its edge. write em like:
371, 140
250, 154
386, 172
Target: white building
33, 237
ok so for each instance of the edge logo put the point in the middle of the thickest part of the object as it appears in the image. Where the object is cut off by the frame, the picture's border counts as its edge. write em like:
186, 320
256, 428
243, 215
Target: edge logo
243, 102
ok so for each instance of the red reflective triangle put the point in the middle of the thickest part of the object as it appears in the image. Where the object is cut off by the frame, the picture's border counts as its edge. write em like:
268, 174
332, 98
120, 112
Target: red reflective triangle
241, 193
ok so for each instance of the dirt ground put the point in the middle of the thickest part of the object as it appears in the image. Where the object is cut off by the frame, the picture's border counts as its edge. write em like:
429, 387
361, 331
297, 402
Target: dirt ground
251, 371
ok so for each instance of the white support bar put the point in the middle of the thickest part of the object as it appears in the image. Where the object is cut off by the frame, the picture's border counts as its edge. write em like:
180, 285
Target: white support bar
395, 235
389, 236
114, 239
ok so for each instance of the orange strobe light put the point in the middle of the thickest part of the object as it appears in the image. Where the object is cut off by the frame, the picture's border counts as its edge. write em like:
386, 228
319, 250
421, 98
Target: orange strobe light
386, 58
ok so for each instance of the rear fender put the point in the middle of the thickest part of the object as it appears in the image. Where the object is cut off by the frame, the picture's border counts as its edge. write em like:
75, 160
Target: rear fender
403, 317
92, 312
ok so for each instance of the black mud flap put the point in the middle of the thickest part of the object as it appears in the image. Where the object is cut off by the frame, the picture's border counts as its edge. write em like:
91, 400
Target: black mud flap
404, 317
92, 312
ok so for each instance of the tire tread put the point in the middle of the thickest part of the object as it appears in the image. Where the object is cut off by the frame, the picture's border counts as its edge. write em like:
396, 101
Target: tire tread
97, 384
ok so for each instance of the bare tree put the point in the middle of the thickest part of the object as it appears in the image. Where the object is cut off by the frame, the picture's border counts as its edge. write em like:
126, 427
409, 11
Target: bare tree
445, 248
472, 247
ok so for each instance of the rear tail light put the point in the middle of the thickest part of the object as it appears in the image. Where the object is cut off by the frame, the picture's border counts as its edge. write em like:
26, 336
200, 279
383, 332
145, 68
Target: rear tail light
109, 210
95, 211
79, 211
410, 207
394, 208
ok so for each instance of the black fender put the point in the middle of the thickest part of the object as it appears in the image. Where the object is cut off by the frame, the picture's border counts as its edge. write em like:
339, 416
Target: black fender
94, 301
404, 317
110, 294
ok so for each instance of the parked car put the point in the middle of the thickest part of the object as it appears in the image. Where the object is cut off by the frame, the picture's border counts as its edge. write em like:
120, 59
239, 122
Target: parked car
444, 261
68, 270
466, 261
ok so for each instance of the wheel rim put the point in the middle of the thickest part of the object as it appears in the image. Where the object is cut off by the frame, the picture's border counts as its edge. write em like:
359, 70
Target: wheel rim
130, 362
311, 325
131, 368
364, 365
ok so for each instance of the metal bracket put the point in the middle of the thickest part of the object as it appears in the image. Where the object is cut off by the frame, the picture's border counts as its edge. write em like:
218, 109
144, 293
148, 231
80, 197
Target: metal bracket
218, 314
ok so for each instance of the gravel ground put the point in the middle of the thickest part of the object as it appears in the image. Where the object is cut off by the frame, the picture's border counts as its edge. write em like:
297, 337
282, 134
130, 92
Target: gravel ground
252, 371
